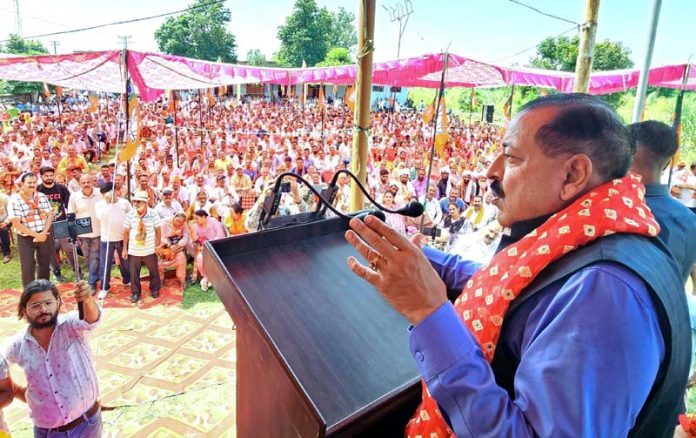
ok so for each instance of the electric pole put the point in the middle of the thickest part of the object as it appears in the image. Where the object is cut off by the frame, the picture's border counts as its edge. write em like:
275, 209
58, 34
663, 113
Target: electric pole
18, 19
55, 45
125, 39
583, 66
400, 13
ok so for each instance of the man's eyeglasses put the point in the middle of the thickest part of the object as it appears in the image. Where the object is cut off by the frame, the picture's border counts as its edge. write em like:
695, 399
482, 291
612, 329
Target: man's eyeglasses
34, 307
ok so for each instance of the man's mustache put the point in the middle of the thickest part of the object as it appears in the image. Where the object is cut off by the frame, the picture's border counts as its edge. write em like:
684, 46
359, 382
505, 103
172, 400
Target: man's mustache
497, 189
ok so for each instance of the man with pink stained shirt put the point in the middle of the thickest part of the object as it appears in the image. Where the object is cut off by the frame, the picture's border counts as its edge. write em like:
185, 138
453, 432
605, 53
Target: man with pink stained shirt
62, 388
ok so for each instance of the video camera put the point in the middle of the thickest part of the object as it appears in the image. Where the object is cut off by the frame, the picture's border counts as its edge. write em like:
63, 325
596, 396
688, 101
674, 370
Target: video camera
72, 227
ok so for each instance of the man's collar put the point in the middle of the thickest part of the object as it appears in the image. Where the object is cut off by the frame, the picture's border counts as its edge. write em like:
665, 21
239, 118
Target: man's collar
656, 189
519, 230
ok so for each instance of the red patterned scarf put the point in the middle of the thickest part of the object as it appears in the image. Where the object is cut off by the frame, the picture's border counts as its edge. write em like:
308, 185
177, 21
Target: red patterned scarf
615, 207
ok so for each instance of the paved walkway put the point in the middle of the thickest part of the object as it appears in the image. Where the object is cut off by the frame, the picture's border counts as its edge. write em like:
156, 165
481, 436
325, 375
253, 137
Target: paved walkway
166, 371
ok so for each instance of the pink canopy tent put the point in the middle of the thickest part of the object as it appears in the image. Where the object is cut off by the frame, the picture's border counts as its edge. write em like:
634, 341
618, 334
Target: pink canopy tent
154, 72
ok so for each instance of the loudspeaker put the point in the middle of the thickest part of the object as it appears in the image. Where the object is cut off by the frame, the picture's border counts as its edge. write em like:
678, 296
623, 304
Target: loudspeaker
487, 113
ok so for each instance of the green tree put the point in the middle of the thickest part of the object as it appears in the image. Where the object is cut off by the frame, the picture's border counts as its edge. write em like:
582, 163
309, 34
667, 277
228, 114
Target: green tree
342, 30
336, 56
255, 57
561, 54
303, 37
200, 33
19, 46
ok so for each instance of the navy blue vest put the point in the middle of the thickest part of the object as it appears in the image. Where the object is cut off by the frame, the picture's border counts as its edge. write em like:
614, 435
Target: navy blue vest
650, 260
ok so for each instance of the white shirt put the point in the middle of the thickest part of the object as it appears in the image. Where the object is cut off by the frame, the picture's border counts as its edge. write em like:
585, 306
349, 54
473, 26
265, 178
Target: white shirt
686, 196
83, 206
165, 212
61, 382
112, 217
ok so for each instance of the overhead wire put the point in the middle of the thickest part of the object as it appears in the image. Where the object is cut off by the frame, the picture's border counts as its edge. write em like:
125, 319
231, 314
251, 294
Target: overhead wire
531, 47
524, 5
116, 23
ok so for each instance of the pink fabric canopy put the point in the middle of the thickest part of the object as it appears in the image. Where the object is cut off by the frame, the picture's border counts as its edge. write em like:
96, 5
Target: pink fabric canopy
154, 72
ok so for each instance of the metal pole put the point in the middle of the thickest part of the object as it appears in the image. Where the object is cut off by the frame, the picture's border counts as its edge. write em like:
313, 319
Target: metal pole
125, 137
645, 71
200, 118
440, 93
366, 32
176, 130
583, 66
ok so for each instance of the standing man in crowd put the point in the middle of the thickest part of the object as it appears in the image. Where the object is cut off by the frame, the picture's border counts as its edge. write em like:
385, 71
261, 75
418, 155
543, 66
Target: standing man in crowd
579, 293
656, 144
31, 215
141, 240
59, 196
112, 216
62, 388
82, 204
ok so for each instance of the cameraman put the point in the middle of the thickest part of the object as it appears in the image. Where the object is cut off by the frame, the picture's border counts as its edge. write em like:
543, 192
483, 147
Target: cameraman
62, 388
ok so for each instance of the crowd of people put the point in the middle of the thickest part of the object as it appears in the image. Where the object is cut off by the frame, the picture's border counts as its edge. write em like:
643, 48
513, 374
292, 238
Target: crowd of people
210, 171
202, 173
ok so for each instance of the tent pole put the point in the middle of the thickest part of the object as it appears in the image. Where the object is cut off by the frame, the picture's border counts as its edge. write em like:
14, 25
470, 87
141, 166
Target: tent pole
361, 117
645, 71
440, 93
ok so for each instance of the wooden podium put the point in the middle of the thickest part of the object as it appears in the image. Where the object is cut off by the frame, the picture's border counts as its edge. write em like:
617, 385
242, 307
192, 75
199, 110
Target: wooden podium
319, 352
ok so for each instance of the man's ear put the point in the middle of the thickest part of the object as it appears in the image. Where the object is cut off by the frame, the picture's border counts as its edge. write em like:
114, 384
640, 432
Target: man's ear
578, 175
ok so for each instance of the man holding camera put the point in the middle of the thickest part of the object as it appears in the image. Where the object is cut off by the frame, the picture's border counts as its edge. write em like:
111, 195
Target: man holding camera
31, 216
62, 388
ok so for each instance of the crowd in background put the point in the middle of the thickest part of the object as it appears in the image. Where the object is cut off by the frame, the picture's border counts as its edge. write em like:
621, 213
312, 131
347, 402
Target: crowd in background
202, 173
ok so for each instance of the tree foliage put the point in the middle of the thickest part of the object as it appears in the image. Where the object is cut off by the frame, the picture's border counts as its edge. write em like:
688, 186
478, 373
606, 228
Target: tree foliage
310, 32
561, 54
19, 46
199, 33
336, 56
255, 57
342, 30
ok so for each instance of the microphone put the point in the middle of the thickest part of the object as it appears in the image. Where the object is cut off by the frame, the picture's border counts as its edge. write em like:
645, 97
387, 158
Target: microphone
412, 209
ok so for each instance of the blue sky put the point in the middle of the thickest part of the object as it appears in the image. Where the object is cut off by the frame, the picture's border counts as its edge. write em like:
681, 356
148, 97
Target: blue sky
486, 30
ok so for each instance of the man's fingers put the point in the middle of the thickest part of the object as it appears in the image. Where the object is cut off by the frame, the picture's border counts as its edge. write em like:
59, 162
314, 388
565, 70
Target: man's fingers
372, 237
365, 250
363, 271
394, 237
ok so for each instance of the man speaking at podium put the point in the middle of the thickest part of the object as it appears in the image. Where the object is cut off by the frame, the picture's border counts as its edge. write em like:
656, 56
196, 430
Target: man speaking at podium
578, 326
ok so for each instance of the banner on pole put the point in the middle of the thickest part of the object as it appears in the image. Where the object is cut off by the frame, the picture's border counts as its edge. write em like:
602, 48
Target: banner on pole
133, 134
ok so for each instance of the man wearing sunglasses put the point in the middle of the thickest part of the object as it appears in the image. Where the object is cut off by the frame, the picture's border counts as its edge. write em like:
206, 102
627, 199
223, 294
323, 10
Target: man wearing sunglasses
61, 386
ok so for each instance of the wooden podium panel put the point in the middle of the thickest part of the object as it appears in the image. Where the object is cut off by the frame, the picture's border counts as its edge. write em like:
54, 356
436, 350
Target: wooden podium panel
319, 352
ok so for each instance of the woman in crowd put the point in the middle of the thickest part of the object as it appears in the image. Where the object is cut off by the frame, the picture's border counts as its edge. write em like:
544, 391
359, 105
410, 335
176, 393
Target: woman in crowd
205, 228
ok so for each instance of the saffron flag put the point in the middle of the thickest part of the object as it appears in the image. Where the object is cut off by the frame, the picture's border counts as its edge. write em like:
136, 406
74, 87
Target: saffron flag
133, 134
350, 98
320, 100
171, 101
507, 108
46, 91
441, 131
93, 103
429, 113
59, 92
211, 97
677, 126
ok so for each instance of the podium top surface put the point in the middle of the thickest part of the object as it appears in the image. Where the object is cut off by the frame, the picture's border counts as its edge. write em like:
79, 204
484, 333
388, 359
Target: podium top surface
343, 345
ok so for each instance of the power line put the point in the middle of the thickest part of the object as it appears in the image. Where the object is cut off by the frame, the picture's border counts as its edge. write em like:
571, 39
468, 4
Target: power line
35, 18
532, 47
116, 23
543, 13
